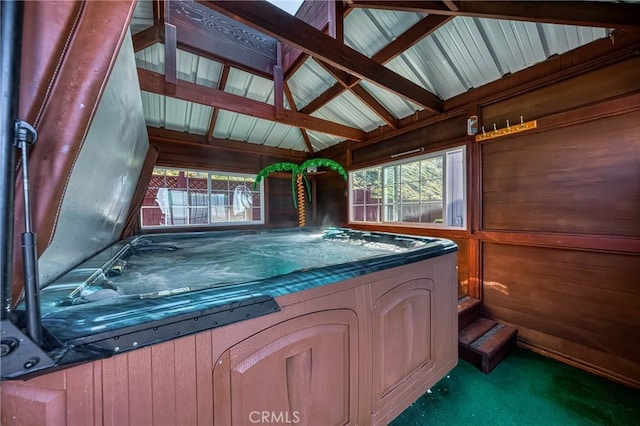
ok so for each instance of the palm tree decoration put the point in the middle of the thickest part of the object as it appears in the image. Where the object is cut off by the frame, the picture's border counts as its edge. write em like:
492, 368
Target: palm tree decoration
298, 174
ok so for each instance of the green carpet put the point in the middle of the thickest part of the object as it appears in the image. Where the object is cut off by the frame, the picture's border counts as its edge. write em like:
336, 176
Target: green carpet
525, 389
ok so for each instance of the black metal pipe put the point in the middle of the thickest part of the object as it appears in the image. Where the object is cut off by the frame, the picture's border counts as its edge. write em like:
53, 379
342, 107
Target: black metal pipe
11, 15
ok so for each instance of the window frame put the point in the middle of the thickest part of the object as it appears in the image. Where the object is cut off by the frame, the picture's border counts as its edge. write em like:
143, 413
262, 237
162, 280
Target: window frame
209, 224
384, 205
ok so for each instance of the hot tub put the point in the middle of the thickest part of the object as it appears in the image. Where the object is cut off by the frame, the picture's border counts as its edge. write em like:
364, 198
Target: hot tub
307, 310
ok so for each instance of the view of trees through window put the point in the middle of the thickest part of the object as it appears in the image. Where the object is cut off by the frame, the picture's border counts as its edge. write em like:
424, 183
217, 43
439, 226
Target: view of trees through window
427, 190
190, 197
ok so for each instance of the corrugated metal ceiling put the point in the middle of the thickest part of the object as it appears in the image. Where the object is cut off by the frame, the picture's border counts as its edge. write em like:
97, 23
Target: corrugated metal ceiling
463, 54
142, 16
309, 82
369, 30
190, 67
175, 114
241, 127
351, 111
467, 52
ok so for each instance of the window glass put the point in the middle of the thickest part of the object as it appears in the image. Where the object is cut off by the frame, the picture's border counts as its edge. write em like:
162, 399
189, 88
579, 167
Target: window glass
195, 198
428, 190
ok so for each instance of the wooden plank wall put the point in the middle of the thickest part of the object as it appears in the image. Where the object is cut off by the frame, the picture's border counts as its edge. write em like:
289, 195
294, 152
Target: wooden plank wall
553, 238
559, 212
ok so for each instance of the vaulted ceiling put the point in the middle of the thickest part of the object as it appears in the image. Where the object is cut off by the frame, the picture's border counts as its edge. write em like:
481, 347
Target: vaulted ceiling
247, 71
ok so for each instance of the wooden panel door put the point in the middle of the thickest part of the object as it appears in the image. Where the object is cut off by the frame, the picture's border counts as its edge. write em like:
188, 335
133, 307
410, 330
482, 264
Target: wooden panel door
302, 371
402, 319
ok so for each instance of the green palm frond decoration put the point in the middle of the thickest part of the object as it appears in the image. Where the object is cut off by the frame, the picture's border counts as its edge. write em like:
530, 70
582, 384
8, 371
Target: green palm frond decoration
298, 174
324, 162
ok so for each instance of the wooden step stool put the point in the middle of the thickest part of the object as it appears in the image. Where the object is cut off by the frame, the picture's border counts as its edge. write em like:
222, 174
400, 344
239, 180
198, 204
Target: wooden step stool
485, 342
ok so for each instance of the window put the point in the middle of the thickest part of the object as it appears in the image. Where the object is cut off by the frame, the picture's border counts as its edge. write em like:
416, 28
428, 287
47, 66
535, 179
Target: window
178, 197
428, 190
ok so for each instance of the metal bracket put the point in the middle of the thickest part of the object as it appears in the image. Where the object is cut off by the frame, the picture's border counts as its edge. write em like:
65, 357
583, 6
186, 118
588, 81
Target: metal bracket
18, 354
24, 132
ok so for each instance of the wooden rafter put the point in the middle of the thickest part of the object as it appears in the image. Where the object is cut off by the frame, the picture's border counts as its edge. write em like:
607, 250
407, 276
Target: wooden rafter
156, 34
147, 38
276, 23
292, 103
359, 91
342, 77
321, 100
224, 75
413, 35
376, 106
314, 13
451, 5
206, 30
407, 39
154, 82
161, 134
590, 14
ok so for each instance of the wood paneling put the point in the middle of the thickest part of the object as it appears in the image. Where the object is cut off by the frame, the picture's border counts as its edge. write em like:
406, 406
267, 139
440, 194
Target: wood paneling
331, 202
281, 211
588, 299
429, 137
611, 81
464, 265
219, 156
578, 179
201, 156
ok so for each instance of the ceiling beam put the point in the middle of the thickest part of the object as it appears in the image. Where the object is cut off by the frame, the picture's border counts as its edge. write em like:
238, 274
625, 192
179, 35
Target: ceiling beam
417, 32
583, 13
292, 102
323, 99
413, 35
146, 38
343, 78
380, 110
202, 28
276, 23
156, 34
154, 82
158, 134
222, 84
451, 5
314, 13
